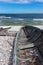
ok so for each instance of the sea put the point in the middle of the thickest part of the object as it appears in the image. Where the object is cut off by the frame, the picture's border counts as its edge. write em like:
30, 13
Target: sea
20, 19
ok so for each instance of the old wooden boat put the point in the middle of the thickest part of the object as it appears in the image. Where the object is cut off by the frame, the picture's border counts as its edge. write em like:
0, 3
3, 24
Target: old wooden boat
28, 46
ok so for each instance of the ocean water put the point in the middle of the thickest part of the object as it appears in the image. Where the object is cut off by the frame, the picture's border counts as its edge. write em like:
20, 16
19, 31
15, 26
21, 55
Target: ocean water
12, 19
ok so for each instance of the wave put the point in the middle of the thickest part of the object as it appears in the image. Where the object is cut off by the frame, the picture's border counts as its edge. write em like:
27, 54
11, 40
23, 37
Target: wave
21, 19
37, 19
4, 17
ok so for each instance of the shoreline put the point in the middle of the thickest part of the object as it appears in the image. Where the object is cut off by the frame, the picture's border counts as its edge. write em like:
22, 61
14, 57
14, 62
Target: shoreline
17, 28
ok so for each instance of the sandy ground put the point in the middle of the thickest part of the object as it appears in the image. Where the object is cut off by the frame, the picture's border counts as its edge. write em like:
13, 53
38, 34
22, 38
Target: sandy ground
6, 45
6, 48
17, 28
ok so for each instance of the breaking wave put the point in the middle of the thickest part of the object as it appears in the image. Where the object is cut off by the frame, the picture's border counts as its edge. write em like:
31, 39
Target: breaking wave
1, 17
37, 19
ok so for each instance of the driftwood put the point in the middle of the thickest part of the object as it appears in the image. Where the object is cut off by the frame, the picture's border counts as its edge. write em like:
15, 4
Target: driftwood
5, 32
4, 28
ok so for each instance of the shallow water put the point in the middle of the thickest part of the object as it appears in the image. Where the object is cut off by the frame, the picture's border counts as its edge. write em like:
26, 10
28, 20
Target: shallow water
11, 19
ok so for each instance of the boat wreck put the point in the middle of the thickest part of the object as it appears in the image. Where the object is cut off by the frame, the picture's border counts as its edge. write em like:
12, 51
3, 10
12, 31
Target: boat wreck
28, 48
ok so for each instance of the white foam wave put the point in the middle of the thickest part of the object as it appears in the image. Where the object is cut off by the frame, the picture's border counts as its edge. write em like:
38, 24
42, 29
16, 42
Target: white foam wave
4, 17
38, 19
20, 19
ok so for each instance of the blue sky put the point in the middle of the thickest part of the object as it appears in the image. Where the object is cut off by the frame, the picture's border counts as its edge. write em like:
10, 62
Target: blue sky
21, 6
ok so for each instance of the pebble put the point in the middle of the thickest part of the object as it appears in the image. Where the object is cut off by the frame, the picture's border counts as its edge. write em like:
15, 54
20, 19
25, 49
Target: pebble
5, 49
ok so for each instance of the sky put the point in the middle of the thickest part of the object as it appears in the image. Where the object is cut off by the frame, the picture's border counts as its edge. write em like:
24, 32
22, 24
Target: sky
21, 6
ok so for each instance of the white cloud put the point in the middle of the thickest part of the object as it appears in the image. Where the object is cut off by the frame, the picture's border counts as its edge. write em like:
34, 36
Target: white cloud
20, 1
16, 1
5, 0
39, 0
23, 1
